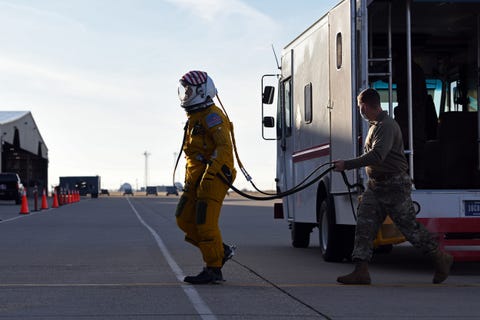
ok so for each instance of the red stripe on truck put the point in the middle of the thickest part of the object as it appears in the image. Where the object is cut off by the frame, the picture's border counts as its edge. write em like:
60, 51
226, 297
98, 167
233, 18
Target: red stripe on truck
311, 153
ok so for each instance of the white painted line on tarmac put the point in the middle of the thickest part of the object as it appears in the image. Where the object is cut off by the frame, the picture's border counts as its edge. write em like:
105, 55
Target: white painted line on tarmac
24, 215
202, 308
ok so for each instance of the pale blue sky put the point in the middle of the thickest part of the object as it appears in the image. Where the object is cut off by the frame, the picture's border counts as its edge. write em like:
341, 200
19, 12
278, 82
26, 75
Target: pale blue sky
100, 77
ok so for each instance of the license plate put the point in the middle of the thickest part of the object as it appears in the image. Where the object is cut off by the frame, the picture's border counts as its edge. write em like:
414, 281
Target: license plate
472, 208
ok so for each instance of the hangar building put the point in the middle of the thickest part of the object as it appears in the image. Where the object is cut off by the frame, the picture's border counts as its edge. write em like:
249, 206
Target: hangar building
22, 149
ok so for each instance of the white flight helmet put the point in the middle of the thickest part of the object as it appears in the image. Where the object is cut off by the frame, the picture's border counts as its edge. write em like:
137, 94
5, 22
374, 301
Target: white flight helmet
196, 91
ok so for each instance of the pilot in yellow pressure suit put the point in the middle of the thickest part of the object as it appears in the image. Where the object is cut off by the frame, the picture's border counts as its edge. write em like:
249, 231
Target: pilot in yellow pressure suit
208, 151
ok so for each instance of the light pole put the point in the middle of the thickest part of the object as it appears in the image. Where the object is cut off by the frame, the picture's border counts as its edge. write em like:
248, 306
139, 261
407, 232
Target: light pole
146, 154
1, 150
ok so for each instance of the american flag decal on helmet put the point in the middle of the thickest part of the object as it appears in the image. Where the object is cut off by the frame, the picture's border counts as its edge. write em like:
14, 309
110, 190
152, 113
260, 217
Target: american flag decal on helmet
195, 77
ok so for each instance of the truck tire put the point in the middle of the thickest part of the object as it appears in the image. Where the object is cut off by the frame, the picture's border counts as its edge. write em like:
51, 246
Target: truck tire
301, 234
336, 242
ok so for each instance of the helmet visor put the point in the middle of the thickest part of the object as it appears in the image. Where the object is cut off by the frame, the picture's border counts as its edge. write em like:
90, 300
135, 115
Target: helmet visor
184, 92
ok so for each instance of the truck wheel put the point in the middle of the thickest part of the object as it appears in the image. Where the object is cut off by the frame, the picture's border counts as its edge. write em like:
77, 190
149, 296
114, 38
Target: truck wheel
301, 234
331, 244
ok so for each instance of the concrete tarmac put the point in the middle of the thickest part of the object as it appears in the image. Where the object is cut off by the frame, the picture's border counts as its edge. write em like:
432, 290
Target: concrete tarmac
124, 258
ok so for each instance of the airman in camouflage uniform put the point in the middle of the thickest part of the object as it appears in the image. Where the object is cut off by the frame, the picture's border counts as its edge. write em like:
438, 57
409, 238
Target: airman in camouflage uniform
388, 192
390, 197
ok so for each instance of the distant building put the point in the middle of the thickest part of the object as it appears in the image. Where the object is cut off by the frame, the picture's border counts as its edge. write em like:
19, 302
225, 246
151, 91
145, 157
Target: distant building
22, 149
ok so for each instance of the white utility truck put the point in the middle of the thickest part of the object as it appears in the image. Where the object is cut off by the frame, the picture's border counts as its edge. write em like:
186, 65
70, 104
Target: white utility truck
424, 59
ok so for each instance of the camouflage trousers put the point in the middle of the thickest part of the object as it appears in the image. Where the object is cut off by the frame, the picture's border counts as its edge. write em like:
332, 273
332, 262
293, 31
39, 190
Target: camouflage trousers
389, 197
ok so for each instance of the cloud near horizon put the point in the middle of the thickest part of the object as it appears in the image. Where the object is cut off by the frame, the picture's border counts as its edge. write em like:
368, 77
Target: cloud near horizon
211, 10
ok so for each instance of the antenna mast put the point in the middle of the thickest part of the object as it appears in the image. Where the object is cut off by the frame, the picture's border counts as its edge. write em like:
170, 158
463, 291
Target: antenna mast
276, 59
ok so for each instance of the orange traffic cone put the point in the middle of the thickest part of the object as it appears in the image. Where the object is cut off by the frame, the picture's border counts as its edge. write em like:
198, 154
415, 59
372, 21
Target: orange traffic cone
24, 208
44, 201
55, 200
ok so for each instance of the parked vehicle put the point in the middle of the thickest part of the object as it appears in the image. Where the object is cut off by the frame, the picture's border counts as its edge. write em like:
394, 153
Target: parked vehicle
11, 187
172, 190
84, 184
422, 57
151, 190
105, 192
128, 191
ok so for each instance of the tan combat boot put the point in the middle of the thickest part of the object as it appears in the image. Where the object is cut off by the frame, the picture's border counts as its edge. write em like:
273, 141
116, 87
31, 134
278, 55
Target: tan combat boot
359, 276
442, 262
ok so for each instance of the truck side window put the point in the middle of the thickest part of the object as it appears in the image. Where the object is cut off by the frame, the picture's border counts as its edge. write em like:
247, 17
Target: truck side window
308, 102
286, 106
339, 50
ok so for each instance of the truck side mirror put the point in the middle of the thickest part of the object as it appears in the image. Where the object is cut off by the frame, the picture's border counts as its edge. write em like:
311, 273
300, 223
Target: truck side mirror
268, 95
268, 122
268, 112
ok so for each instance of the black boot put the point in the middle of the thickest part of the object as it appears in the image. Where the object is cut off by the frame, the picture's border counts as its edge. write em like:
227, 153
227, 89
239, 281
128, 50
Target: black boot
208, 275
